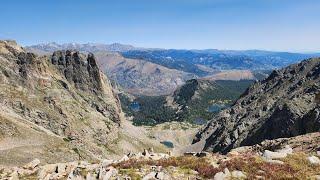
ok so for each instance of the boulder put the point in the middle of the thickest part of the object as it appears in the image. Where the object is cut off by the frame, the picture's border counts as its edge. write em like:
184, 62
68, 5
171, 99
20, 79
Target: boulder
162, 176
219, 176
150, 176
229, 175
259, 178
316, 177
14, 176
109, 173
71, 166
270, 155
274, 161
25, 172
107, 162
287, 150
222, 175
61, 167
33, 164
124, 158
238, 175
314, 160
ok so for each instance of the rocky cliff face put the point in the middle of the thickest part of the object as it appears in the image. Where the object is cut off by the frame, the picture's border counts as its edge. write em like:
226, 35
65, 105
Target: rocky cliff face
285, 104
84, 74
60, 105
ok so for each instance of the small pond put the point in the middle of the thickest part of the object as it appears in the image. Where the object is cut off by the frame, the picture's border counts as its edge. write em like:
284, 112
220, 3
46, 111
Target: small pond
135, 106
215, 108
199, 121
169, 144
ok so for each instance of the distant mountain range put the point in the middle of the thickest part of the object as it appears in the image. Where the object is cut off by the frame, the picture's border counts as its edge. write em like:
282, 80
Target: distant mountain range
199, 62
152, 71
48, 48
191, 60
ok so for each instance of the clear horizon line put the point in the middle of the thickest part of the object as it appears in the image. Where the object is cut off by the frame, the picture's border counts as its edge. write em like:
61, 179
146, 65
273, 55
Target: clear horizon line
166, 48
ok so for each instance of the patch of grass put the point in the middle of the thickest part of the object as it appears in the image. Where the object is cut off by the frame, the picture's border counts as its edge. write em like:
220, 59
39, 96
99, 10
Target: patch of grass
131, 173
303, 168
84, 172
295, 166
32, 176
166, 126
255, 166
204, 168
76, 150
184, 128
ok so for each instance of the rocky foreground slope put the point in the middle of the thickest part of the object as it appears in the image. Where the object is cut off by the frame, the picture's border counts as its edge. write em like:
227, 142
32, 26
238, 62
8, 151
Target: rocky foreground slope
275, 159
285, 104
57, 108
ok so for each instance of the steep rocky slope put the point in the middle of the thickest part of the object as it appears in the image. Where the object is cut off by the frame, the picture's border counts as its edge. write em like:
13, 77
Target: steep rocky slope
141, 77
285, 104
54, 108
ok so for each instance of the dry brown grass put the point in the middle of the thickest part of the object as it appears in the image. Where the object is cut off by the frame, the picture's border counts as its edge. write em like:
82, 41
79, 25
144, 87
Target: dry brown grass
201, 165
255, 166
303, 169
131, 173
295, 166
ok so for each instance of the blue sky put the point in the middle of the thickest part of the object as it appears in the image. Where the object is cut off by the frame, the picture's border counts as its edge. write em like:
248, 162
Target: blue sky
290, 25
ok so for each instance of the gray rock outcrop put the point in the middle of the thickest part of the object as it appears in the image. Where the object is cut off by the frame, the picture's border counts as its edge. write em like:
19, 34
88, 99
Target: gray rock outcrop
82, 71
